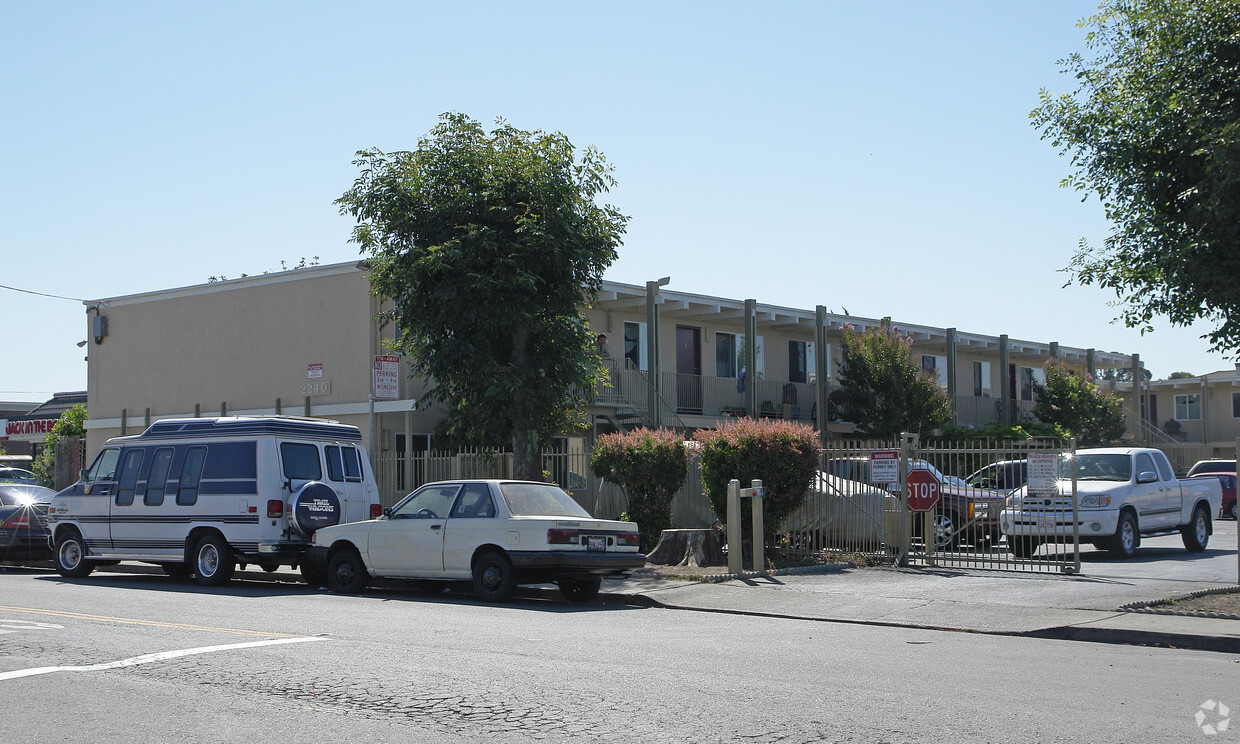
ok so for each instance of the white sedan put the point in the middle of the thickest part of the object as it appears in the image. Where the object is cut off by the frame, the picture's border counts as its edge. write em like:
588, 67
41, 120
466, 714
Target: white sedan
497, 533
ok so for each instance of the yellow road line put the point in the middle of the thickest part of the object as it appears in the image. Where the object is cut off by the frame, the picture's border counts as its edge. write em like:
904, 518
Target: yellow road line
149, 623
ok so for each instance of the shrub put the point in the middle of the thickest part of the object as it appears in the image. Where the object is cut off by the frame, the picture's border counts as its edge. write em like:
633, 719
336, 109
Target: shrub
1073, 402
884, 390
72, 423
782, 454
650, 466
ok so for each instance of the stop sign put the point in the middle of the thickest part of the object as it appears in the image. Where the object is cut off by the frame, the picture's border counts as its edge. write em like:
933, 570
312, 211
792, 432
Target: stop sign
923, 490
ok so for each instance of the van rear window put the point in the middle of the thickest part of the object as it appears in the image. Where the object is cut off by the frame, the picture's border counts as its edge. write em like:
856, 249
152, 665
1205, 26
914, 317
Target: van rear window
301, 461
343, 464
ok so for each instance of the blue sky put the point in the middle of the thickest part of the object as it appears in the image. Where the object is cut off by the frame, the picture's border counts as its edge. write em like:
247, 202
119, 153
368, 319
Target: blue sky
870, 156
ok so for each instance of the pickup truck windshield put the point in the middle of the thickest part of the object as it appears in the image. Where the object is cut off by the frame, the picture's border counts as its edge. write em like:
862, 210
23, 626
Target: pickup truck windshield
1098, 468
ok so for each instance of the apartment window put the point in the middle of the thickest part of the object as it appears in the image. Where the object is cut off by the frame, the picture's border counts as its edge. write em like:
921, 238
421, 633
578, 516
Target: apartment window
725, 355
758, 354
937, 366
635, 346
1235, 405
798, 361
1188, 407
981, 379
1030, 377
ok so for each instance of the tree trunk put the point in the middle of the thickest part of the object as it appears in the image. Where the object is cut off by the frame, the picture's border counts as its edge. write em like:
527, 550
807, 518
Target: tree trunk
526, 463
687, 548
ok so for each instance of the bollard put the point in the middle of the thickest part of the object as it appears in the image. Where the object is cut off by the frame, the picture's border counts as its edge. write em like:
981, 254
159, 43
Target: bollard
735, 494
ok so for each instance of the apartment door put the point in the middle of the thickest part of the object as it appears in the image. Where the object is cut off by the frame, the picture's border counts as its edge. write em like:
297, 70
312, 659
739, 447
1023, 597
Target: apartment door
688, 369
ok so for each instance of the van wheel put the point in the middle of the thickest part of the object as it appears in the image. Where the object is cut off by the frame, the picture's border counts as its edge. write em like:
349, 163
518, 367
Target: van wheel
494, 579
213, 561
1196, 533
346, 574
1127, 537
71, 560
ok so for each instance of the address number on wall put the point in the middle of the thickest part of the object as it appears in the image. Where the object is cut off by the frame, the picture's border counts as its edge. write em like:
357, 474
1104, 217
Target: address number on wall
316, 387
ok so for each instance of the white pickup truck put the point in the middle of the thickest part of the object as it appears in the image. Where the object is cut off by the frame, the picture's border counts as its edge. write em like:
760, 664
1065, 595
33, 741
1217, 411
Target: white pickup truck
1122, 494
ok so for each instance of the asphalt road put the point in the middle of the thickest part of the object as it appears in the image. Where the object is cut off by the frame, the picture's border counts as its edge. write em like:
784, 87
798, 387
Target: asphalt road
144, 658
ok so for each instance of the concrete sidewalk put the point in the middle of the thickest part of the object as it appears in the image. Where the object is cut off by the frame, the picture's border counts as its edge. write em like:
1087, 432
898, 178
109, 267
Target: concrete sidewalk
977, 601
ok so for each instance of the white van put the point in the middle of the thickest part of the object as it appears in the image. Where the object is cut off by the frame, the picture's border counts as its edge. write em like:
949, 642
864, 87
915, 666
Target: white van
199, 496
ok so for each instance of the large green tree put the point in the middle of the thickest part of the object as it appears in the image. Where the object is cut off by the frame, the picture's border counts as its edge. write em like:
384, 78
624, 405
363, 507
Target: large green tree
488, 244
1153, 128
884, 390
1077, 405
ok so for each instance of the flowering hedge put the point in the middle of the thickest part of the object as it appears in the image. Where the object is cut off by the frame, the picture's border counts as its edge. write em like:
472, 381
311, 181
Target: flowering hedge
782, 454
650, 465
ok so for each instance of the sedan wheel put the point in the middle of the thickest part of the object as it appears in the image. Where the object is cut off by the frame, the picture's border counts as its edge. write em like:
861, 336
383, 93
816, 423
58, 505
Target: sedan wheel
494, 578
346, 573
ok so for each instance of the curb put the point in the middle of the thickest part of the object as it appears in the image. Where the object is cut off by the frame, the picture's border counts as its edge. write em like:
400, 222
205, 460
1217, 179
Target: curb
1154, 608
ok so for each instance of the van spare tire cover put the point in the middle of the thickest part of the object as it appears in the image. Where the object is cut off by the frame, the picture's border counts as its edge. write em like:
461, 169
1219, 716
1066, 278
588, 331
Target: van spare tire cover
315, 505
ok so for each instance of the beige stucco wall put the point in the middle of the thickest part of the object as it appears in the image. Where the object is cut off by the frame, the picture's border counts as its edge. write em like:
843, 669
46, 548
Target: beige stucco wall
244, 344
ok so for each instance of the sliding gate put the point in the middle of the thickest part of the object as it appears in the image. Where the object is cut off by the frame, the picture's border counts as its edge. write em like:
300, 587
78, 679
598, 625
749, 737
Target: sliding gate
859, 505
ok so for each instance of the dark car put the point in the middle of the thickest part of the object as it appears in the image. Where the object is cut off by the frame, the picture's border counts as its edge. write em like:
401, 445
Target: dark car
23, 521
1228, 481
963, 515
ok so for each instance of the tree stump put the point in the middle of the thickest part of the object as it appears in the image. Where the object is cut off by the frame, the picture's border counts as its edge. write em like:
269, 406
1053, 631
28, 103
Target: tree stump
687, 548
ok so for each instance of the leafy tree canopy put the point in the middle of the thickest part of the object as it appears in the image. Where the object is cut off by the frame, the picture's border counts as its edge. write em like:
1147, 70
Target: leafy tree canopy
1075, 404
885, 392
1181, 376
1153, 128
487, 244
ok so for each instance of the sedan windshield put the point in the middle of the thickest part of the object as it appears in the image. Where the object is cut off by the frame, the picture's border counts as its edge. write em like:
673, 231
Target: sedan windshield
1099, 468
540, 500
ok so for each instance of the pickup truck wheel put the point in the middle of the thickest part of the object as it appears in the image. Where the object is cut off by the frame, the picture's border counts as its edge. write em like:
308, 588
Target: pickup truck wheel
1126, 539
346, 574
1232, 511
1023, 546
1196, 533
494, 578
580, 590
71, 560
213, 561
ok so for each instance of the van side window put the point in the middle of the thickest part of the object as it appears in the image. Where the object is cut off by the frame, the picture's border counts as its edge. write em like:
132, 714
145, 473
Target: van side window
301, 461
104, 467
191, 474
129, 477
158, 477
346, 457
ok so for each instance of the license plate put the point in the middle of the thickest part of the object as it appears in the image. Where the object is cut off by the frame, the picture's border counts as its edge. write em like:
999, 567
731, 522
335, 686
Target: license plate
596, 543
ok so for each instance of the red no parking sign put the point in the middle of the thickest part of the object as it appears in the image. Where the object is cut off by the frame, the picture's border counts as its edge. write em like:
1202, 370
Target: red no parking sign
923, 490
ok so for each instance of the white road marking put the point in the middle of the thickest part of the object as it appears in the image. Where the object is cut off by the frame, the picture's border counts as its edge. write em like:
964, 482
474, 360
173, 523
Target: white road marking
12, 626
148, 658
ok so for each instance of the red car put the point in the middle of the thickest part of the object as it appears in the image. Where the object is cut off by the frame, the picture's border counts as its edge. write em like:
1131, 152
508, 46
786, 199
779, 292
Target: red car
1228, 480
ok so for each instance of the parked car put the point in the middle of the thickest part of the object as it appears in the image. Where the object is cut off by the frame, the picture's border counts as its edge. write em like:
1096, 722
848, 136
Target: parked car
963, 515
1228, 482
17, 475
23, 521
1005, 475
497, 533
1123, 494
1212, 466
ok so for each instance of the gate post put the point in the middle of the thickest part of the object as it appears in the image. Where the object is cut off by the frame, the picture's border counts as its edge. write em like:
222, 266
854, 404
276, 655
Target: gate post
735, 550
906, 531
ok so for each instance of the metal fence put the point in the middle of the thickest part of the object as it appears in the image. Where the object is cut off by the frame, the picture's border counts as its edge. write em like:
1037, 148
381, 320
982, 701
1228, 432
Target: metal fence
848, 510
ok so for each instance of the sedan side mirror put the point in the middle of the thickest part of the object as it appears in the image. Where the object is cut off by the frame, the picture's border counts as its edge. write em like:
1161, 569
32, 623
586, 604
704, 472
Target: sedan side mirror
83, 474
387, 511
